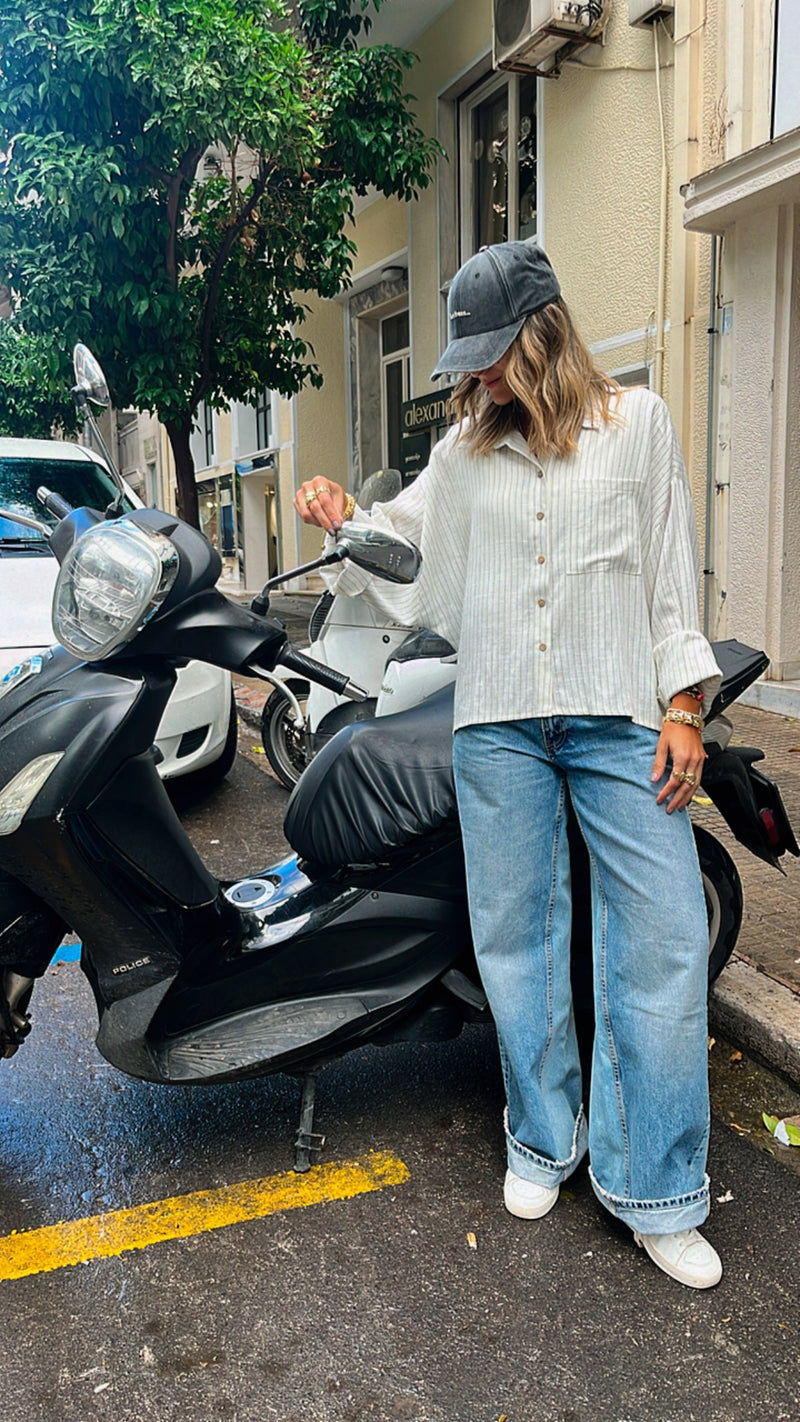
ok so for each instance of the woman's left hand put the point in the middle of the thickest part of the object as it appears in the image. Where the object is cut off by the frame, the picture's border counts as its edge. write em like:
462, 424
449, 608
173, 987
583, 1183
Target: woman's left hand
683, 745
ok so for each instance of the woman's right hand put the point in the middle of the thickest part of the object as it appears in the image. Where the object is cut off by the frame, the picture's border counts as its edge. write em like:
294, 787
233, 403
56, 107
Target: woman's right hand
322, 502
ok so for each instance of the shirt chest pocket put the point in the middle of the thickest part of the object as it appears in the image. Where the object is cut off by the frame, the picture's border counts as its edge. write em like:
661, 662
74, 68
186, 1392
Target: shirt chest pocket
602, 527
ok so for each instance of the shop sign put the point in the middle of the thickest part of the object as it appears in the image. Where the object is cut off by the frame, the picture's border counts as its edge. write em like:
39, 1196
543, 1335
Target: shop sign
423, 422
427, 411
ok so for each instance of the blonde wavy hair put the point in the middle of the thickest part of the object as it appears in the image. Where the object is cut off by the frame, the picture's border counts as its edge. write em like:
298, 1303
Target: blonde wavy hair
556, 387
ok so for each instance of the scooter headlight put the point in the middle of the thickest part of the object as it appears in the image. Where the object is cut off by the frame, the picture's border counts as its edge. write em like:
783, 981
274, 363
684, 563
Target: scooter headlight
111, 583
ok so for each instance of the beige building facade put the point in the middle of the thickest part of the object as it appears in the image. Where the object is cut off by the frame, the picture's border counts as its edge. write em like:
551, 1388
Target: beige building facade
749, 202
660, 168
589, 160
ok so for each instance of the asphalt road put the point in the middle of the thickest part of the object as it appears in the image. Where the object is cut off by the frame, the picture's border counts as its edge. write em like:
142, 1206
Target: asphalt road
419, 1300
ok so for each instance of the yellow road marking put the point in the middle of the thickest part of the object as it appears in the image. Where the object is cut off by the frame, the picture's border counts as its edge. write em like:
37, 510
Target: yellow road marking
104, 1236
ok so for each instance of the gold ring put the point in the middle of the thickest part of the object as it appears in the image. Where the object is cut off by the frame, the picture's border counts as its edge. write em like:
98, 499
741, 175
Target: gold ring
323, 489
686, 777
309, 498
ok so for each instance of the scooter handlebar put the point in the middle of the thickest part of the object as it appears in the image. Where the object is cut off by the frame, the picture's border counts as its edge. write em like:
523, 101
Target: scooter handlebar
324, 676
53, 502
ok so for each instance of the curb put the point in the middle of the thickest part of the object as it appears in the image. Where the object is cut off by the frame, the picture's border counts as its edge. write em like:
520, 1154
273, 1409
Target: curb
249, 705
750, 1008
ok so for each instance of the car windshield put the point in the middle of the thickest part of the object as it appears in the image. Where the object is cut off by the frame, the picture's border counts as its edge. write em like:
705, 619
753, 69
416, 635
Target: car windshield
79, 482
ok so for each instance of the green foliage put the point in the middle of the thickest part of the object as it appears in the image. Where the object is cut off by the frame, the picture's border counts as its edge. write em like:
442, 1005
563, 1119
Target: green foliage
178, 173
29, 367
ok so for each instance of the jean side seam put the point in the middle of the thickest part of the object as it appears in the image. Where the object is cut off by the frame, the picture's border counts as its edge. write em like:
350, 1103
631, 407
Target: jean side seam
609, 1031
548, 932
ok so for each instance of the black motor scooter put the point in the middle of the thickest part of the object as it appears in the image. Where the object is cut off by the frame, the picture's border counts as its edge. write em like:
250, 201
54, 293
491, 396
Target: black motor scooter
361, 936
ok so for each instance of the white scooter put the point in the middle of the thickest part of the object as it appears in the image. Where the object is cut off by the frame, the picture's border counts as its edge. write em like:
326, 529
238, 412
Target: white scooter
397, 665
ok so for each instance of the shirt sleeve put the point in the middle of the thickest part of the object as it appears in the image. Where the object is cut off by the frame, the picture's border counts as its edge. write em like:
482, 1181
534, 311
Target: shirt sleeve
403, 516
683, 656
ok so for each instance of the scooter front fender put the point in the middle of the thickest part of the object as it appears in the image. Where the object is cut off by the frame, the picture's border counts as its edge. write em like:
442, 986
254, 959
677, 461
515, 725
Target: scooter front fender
95, 717
100, 843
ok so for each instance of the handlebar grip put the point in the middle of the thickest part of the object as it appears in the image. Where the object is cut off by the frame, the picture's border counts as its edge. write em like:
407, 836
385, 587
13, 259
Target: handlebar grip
53, 502
328, 677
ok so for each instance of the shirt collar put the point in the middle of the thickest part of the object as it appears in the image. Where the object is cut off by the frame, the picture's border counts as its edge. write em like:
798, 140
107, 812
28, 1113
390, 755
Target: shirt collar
517, 441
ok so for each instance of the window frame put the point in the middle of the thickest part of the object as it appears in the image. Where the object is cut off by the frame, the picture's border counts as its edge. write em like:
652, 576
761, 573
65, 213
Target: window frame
465, 106
402, 357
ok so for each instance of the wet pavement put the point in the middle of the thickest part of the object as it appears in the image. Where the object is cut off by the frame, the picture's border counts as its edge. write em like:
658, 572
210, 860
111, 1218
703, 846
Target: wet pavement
421, 1301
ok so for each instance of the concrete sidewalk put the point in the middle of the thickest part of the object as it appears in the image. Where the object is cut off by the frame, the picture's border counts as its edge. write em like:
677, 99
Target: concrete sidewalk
756, 1000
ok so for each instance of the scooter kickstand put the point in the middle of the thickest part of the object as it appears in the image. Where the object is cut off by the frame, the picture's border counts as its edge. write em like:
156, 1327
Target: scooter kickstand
307, 1143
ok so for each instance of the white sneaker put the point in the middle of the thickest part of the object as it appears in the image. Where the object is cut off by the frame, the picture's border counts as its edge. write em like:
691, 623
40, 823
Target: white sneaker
685, 1256
526, 1200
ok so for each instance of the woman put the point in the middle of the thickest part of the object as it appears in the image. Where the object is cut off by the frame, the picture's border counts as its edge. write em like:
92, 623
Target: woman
560, 557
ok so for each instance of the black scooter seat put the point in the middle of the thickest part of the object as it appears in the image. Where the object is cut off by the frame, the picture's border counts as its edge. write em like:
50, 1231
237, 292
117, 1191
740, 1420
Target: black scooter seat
376, 786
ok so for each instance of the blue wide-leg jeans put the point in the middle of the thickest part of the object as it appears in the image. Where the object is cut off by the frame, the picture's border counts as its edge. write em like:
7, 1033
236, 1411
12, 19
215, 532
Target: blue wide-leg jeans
647, 1133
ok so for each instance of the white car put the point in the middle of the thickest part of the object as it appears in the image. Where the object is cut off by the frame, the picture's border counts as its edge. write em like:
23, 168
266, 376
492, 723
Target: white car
197, 734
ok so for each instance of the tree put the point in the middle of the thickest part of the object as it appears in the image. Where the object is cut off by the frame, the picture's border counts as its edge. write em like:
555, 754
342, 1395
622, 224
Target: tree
178, 173
31, 367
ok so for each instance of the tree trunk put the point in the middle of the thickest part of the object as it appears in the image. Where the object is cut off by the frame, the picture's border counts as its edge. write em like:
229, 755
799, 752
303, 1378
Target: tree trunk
188, 507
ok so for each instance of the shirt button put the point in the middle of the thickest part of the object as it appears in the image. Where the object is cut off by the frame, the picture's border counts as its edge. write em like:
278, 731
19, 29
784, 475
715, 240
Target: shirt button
542, 646
540, 474
540, 559
540, 515
541, 602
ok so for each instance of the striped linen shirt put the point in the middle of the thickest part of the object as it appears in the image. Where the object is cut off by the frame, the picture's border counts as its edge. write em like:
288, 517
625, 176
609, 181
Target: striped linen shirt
568, 586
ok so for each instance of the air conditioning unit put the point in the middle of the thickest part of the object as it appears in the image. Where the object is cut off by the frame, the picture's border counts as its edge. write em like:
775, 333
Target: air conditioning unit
646, 12
527, 31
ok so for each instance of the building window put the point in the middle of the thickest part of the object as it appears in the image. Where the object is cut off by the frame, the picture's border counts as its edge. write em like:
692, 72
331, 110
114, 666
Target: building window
632, 375
498, 138
208, 432
395, 377
202, 439
264, 420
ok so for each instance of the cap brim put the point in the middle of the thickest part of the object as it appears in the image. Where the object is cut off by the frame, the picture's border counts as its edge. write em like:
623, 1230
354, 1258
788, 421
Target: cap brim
468, 353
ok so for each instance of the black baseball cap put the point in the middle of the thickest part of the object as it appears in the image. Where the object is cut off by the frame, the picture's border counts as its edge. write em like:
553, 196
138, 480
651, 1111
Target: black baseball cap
489, 299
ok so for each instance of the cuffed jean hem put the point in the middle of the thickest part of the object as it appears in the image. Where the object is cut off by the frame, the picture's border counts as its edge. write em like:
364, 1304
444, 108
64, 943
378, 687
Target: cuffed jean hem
658, 1216
537, 1168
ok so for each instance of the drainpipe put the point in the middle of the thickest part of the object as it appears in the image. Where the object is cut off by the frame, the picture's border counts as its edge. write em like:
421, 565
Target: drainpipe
658, 359
708, 571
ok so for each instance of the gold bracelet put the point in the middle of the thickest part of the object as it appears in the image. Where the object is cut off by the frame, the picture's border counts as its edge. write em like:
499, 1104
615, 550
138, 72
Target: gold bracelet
349, 508
684, 718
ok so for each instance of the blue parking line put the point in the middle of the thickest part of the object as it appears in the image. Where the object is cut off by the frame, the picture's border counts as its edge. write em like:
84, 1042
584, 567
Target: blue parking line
67, 953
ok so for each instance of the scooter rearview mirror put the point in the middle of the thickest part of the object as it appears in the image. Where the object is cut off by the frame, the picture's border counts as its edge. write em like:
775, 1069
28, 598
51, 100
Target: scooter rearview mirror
379, 488
90, 381
91, 384
386, 555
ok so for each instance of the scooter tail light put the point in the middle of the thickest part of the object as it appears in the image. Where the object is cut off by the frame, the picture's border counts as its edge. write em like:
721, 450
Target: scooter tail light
19, 794
773, 833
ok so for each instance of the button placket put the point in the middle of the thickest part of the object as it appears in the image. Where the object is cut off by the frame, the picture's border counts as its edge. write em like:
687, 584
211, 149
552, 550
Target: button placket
543, 617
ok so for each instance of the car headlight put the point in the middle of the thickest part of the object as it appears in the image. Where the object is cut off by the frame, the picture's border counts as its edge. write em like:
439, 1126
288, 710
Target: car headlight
111, 583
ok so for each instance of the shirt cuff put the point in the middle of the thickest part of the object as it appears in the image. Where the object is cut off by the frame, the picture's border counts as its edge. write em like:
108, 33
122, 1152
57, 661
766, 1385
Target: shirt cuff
345, 578
682, 660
